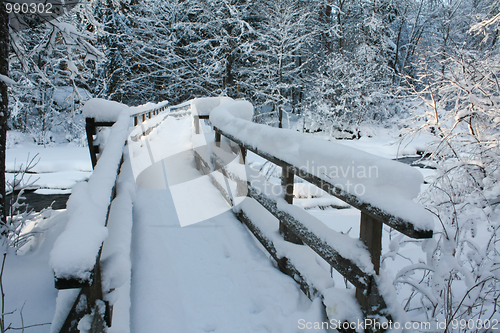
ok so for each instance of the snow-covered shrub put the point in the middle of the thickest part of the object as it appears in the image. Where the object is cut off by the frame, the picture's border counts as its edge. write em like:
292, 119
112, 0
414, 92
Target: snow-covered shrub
19, 214
48, 115
459, 282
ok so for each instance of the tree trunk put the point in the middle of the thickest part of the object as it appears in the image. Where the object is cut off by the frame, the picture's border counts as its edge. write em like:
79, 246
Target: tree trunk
4, 103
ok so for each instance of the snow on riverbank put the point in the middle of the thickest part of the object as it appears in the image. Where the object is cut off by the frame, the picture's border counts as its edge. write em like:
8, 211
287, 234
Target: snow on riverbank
59, 167
28, 280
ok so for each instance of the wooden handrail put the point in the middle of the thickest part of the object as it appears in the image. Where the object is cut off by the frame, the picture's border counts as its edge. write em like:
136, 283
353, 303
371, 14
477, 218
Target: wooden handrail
149, 113
294, 230
397, 223
91, 296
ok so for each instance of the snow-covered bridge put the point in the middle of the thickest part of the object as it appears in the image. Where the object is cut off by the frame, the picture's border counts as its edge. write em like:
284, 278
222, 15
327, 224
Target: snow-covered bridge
153, 242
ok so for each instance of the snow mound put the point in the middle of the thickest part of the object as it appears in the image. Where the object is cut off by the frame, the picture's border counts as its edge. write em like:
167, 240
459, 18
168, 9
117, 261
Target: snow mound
203, 106
240, 109
103, 110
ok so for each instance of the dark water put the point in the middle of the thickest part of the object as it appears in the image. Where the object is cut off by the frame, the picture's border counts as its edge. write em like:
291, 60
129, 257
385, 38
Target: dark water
411, 160
40, 201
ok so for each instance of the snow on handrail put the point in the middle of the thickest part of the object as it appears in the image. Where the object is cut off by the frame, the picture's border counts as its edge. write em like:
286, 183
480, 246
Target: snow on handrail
146, 112
103, 110
202, 106
377, 186
74, 254
386, 196
148, 107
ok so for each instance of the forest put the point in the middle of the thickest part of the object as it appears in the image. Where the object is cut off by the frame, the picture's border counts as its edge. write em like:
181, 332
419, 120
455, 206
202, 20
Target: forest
330, 68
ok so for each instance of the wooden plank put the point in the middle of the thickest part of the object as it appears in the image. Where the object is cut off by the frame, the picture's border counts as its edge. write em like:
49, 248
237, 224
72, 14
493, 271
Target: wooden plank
287, 178
243, 155
284, 264
77, 312
217, 138
372, 302
71, 283
91, 289
206, 169
397, 223
86, 302
104, 124
370, 233
343, 265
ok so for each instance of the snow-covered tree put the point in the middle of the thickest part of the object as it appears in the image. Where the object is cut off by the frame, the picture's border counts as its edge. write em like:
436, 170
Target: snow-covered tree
4, 104
354, 80
282, 56
460, 102
212, 39
40, 57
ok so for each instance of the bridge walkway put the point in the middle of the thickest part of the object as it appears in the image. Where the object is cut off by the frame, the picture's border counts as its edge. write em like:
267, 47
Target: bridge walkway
200, 277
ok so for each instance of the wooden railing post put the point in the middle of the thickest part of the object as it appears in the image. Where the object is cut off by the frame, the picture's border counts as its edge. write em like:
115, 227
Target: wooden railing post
217, 139
91, 131
287, 180
370, 233
243, 153
143, 117
196, 124
136, 121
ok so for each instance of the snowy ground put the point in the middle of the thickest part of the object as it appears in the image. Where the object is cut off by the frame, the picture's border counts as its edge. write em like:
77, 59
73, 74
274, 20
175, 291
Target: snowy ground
28, 280
206, 277
58, 167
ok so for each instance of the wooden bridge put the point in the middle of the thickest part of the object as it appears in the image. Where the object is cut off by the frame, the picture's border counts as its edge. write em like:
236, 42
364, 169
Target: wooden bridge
291, 236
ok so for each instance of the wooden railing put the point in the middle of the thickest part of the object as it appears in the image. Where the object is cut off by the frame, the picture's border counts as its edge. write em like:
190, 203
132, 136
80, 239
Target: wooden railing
302, 228
91, 126
173, 111
297, 227
148, 114
90, 299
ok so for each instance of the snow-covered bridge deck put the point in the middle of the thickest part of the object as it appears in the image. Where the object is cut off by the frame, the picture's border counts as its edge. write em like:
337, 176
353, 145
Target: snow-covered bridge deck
176, 258
205, 277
